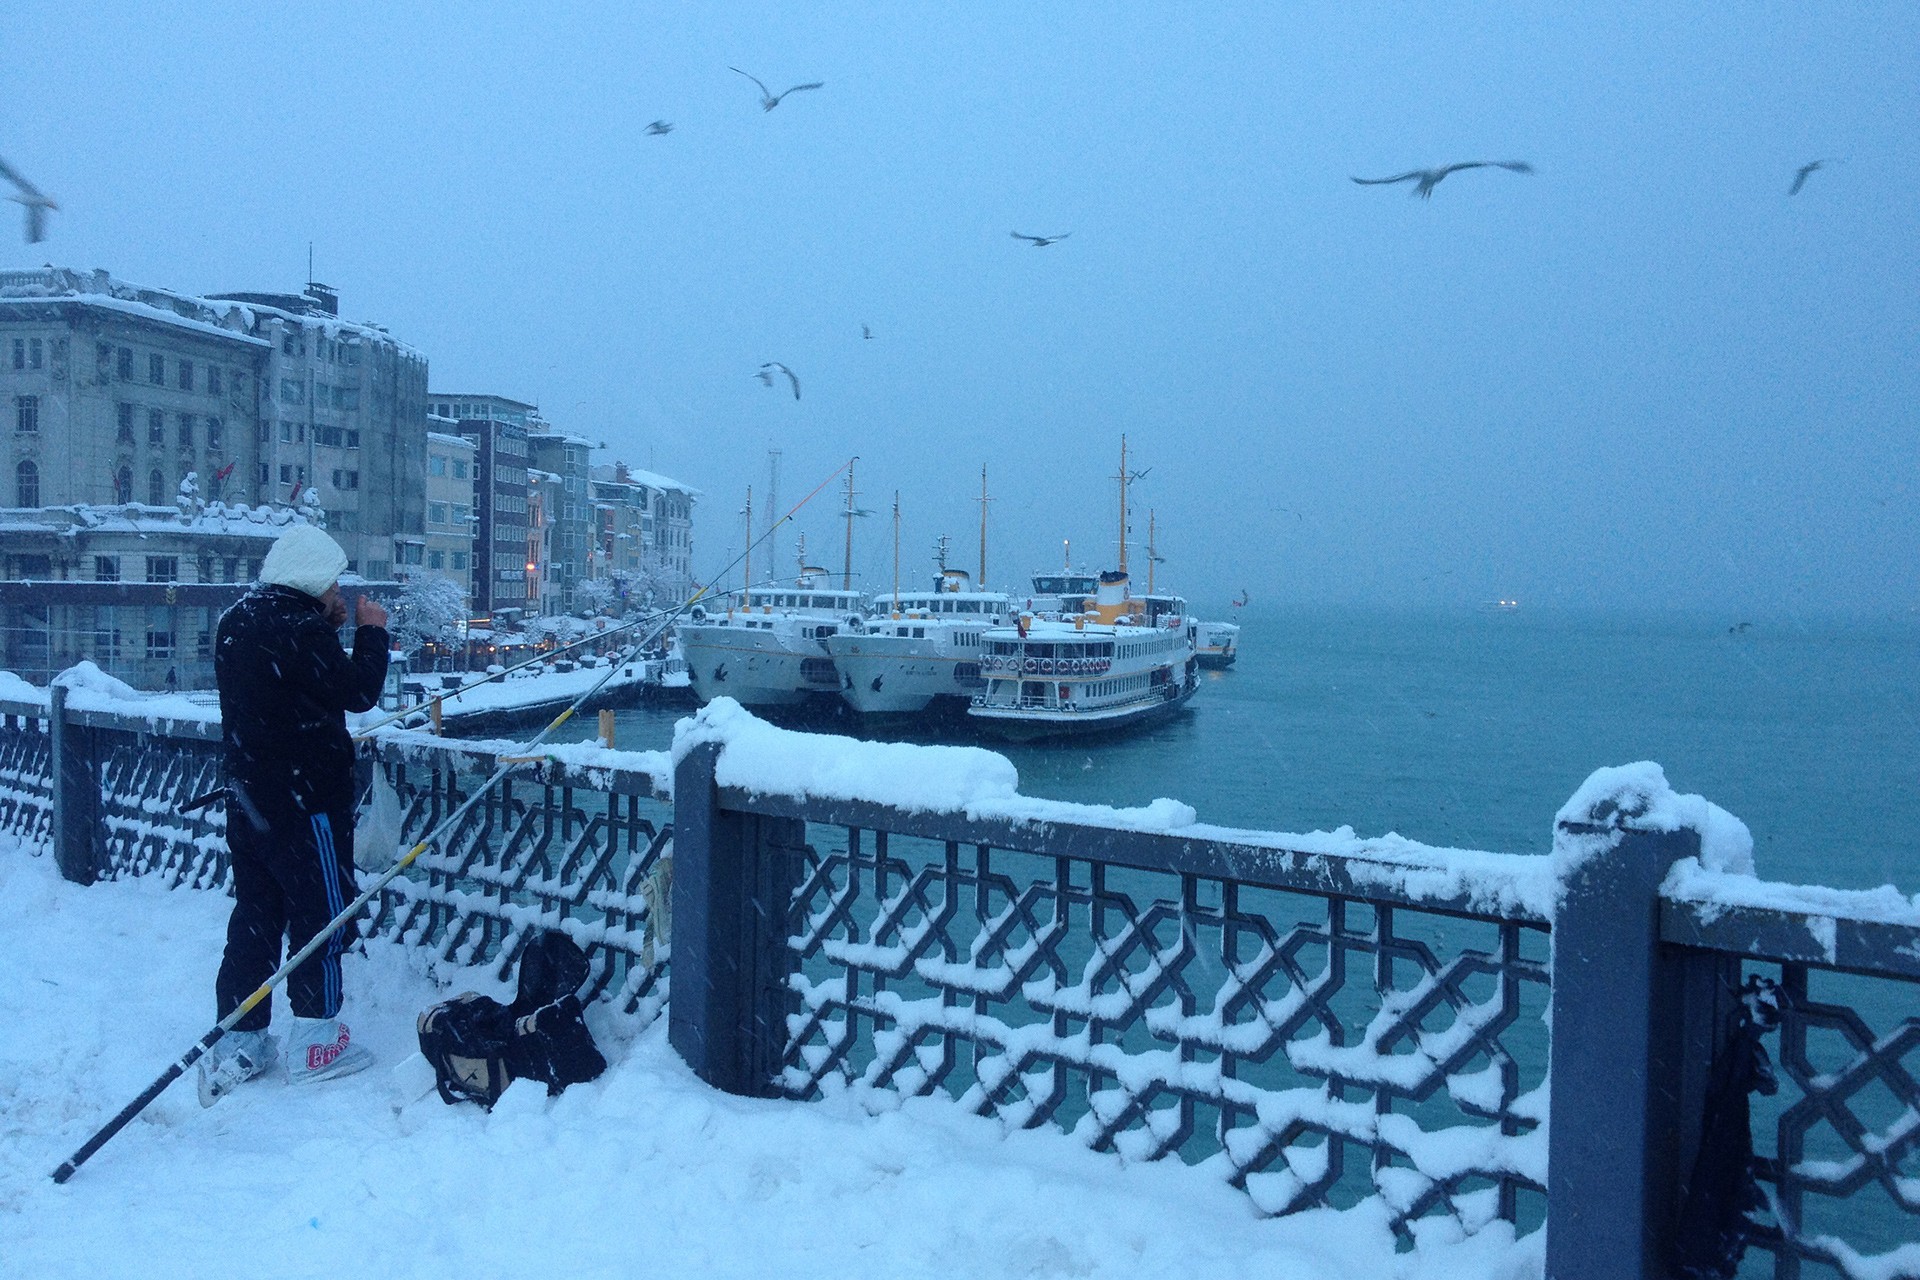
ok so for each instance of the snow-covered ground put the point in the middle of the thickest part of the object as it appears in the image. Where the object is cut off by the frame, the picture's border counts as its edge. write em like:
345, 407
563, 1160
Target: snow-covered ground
645, 1172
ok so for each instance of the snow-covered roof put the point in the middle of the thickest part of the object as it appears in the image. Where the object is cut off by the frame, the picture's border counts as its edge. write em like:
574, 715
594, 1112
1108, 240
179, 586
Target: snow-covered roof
228, 318
214, 518
609, 473
442, 437
563, 437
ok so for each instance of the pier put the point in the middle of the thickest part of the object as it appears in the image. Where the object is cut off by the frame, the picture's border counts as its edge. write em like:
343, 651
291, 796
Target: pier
1463, 1044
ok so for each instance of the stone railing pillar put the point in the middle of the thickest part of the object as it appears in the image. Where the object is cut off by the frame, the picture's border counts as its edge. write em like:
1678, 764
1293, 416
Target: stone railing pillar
1633, 1032
76, 793
732, 890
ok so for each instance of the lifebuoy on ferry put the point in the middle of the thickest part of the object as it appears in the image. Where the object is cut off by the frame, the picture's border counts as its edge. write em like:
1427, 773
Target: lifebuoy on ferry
1046, 666
697, 613
1030, 665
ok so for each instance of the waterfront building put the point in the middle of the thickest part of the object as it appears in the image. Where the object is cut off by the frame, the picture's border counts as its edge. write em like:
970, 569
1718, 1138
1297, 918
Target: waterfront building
643, 533
498, 427
569, 518
451, 527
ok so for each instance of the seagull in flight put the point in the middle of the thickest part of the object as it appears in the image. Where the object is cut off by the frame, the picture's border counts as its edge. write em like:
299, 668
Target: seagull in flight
768, 101
766, 376
866, 331
1041, 242
660, 128
1428, 179
1800, 175
30, 196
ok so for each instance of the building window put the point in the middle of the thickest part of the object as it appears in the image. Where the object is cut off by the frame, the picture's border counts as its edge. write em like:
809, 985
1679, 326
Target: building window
19, 353
26, 478
106, 568
230, 569
123, 485
33, 353
156, 427
157, 370
436, 559
436, 513
292, 392
156, 489
102, 360
186, 375
124, 413
459, 469
214, 429
437, 465
460, 560
26, 414
159, 642
286, 473
353, 438
345, 479
286, 431
163, 568
106, 642
124, 365
186, 431
213, 379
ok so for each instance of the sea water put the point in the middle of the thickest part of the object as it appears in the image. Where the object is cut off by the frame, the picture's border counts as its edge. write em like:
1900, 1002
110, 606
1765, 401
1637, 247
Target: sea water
1470, 730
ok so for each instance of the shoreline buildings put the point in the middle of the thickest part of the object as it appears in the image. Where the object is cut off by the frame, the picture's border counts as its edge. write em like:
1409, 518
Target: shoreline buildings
153, 443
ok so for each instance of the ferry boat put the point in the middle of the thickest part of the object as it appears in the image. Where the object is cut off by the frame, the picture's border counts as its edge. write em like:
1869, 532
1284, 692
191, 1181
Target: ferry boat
1099, 673
766, 646
918, 652
1217, 644
1117, 663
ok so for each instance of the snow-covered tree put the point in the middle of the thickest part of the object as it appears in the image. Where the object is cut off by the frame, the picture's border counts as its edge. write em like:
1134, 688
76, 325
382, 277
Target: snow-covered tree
430, 607
594, 596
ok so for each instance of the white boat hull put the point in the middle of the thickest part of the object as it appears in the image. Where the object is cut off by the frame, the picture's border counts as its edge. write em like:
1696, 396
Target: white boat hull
754, 667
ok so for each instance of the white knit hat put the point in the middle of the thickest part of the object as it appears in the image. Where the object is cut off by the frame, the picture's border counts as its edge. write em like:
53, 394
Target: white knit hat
306, 559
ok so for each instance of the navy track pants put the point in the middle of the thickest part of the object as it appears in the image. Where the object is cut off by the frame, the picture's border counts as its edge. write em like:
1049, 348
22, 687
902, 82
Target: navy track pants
288, 881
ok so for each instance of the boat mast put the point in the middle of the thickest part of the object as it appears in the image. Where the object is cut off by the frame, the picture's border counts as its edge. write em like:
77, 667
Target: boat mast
896, 553
1152, 558
1123, 502
984, 500
746, 561
773, 492
846, 564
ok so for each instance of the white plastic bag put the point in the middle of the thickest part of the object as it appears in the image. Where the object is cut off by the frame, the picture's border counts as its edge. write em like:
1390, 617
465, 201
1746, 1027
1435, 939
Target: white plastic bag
377, 827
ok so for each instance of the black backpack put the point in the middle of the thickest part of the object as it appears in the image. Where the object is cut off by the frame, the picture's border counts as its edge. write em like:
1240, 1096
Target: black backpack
479, 1046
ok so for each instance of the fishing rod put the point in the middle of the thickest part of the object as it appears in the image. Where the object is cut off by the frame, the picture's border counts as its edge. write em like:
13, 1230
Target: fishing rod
669, 615
506, 764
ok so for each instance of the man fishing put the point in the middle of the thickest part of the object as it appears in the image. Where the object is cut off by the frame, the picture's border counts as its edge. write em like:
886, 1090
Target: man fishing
285, 688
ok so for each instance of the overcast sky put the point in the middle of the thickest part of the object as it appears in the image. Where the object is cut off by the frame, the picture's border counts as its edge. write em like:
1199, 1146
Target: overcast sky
1644, 374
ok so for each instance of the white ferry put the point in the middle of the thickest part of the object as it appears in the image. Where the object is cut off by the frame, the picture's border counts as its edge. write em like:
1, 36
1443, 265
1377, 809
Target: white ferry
765, 646
918, 651
1105, 670
1217, 644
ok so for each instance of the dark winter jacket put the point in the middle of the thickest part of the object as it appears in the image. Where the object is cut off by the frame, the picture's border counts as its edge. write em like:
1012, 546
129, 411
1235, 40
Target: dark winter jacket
285, 689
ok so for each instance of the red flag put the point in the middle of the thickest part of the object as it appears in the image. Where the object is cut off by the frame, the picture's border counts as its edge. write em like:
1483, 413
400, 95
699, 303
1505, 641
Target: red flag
226, 471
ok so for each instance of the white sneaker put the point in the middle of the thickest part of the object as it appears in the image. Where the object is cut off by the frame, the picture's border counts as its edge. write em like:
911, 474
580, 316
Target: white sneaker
235, 1058
323, 1049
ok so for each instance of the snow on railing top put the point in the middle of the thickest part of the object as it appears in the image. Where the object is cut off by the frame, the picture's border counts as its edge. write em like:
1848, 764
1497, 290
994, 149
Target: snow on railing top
1637, 797
983, 785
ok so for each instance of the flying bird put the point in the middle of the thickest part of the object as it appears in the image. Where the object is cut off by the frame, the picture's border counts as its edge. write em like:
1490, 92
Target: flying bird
36, 203
1800, 175
766, 376
866, 331
1241, 603
660, 128
1428, 179
768, 101
1041, 242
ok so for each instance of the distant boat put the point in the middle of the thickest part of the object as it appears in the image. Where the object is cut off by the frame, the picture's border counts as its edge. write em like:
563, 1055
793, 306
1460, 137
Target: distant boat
1499, 606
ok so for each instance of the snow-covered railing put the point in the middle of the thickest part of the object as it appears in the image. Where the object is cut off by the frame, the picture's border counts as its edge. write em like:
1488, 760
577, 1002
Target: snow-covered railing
576, 839
1319, 1019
